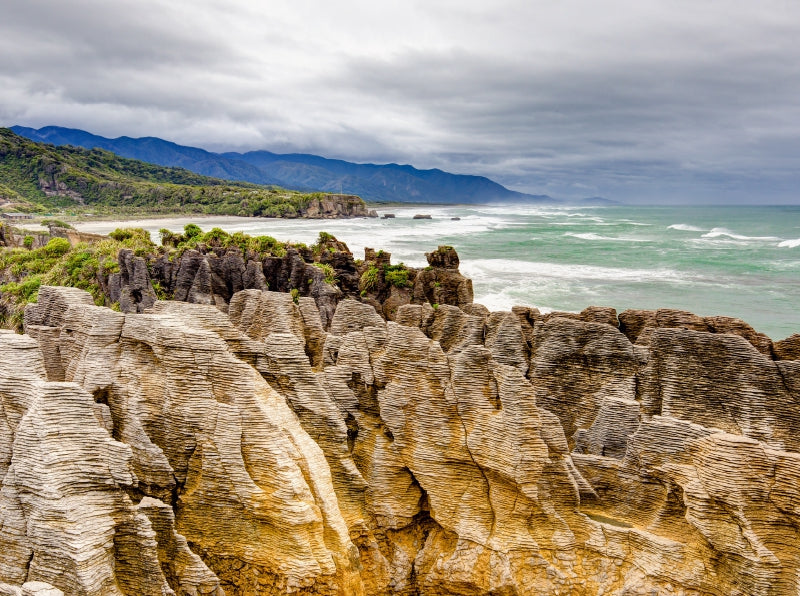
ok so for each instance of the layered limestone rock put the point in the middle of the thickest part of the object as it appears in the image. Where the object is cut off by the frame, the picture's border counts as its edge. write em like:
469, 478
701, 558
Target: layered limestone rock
68, 522
787, 349
638, 325
189, 430
451, 451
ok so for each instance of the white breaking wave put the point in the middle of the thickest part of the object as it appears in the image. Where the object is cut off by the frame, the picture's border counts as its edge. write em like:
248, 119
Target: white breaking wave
539, 210
790, 243
686, 228
490, 268
587, 236
724, 232
593, 236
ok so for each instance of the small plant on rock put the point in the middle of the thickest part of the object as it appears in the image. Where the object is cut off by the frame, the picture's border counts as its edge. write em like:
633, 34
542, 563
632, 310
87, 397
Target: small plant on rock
328, 271
396, 275
369, 279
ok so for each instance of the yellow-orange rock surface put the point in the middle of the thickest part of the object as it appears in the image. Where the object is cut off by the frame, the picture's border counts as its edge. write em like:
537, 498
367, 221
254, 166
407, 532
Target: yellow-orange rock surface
452, 451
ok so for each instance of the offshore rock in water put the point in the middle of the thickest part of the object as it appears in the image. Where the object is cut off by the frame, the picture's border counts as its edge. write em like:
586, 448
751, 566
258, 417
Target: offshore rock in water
452, 451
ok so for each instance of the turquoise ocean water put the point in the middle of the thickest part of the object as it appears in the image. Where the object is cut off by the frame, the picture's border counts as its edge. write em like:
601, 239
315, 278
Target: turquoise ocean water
737, 261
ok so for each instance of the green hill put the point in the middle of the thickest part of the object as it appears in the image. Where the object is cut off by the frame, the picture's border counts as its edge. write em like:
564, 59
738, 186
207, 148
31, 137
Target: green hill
38, 177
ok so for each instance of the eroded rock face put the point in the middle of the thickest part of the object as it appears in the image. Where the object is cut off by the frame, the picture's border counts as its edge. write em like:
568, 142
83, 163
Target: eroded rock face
67, 518
788, 349
638, 325
452, 451
441, 282
248, 488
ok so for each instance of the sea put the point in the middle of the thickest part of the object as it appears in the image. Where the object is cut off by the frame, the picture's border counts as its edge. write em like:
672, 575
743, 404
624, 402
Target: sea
711, 260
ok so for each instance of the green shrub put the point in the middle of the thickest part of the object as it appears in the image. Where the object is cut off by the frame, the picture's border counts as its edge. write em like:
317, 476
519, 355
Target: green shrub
136, 239
23, 291
77, 269
323, 238
169, 238
121, 234
56, 247
217, 237
396, 275
28, 242
369, 279
192, 231
57, 223
161, 293
266, 245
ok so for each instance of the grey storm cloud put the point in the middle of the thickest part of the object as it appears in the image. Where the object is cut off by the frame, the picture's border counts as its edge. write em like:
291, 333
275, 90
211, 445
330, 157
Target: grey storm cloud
648, 101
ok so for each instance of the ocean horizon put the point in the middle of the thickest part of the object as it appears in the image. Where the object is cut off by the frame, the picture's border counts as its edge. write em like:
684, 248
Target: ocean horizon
740, 261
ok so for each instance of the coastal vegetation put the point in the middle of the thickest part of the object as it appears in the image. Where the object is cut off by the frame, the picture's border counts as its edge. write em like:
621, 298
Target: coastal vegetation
391, 275
84, 265
193, 237
88, 265
128, 271
396, 275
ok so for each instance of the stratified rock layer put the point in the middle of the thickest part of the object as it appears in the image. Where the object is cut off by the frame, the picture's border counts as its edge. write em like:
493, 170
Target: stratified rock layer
452, 451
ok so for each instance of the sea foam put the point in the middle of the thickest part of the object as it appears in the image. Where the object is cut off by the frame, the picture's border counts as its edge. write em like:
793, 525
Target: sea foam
593, 236
483, 269
725, 232
686, 228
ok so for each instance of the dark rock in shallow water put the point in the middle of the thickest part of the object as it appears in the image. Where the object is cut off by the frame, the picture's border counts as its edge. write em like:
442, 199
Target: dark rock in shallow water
388, 216
422, 216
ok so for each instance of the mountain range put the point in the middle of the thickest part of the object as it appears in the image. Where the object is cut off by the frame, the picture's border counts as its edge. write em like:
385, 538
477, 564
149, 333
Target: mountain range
305, 172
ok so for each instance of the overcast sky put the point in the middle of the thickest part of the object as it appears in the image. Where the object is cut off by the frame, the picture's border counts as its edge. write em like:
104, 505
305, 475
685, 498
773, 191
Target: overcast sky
645, 101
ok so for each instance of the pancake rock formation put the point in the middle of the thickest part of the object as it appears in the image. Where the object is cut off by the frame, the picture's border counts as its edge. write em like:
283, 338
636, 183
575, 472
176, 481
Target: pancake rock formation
293, 445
